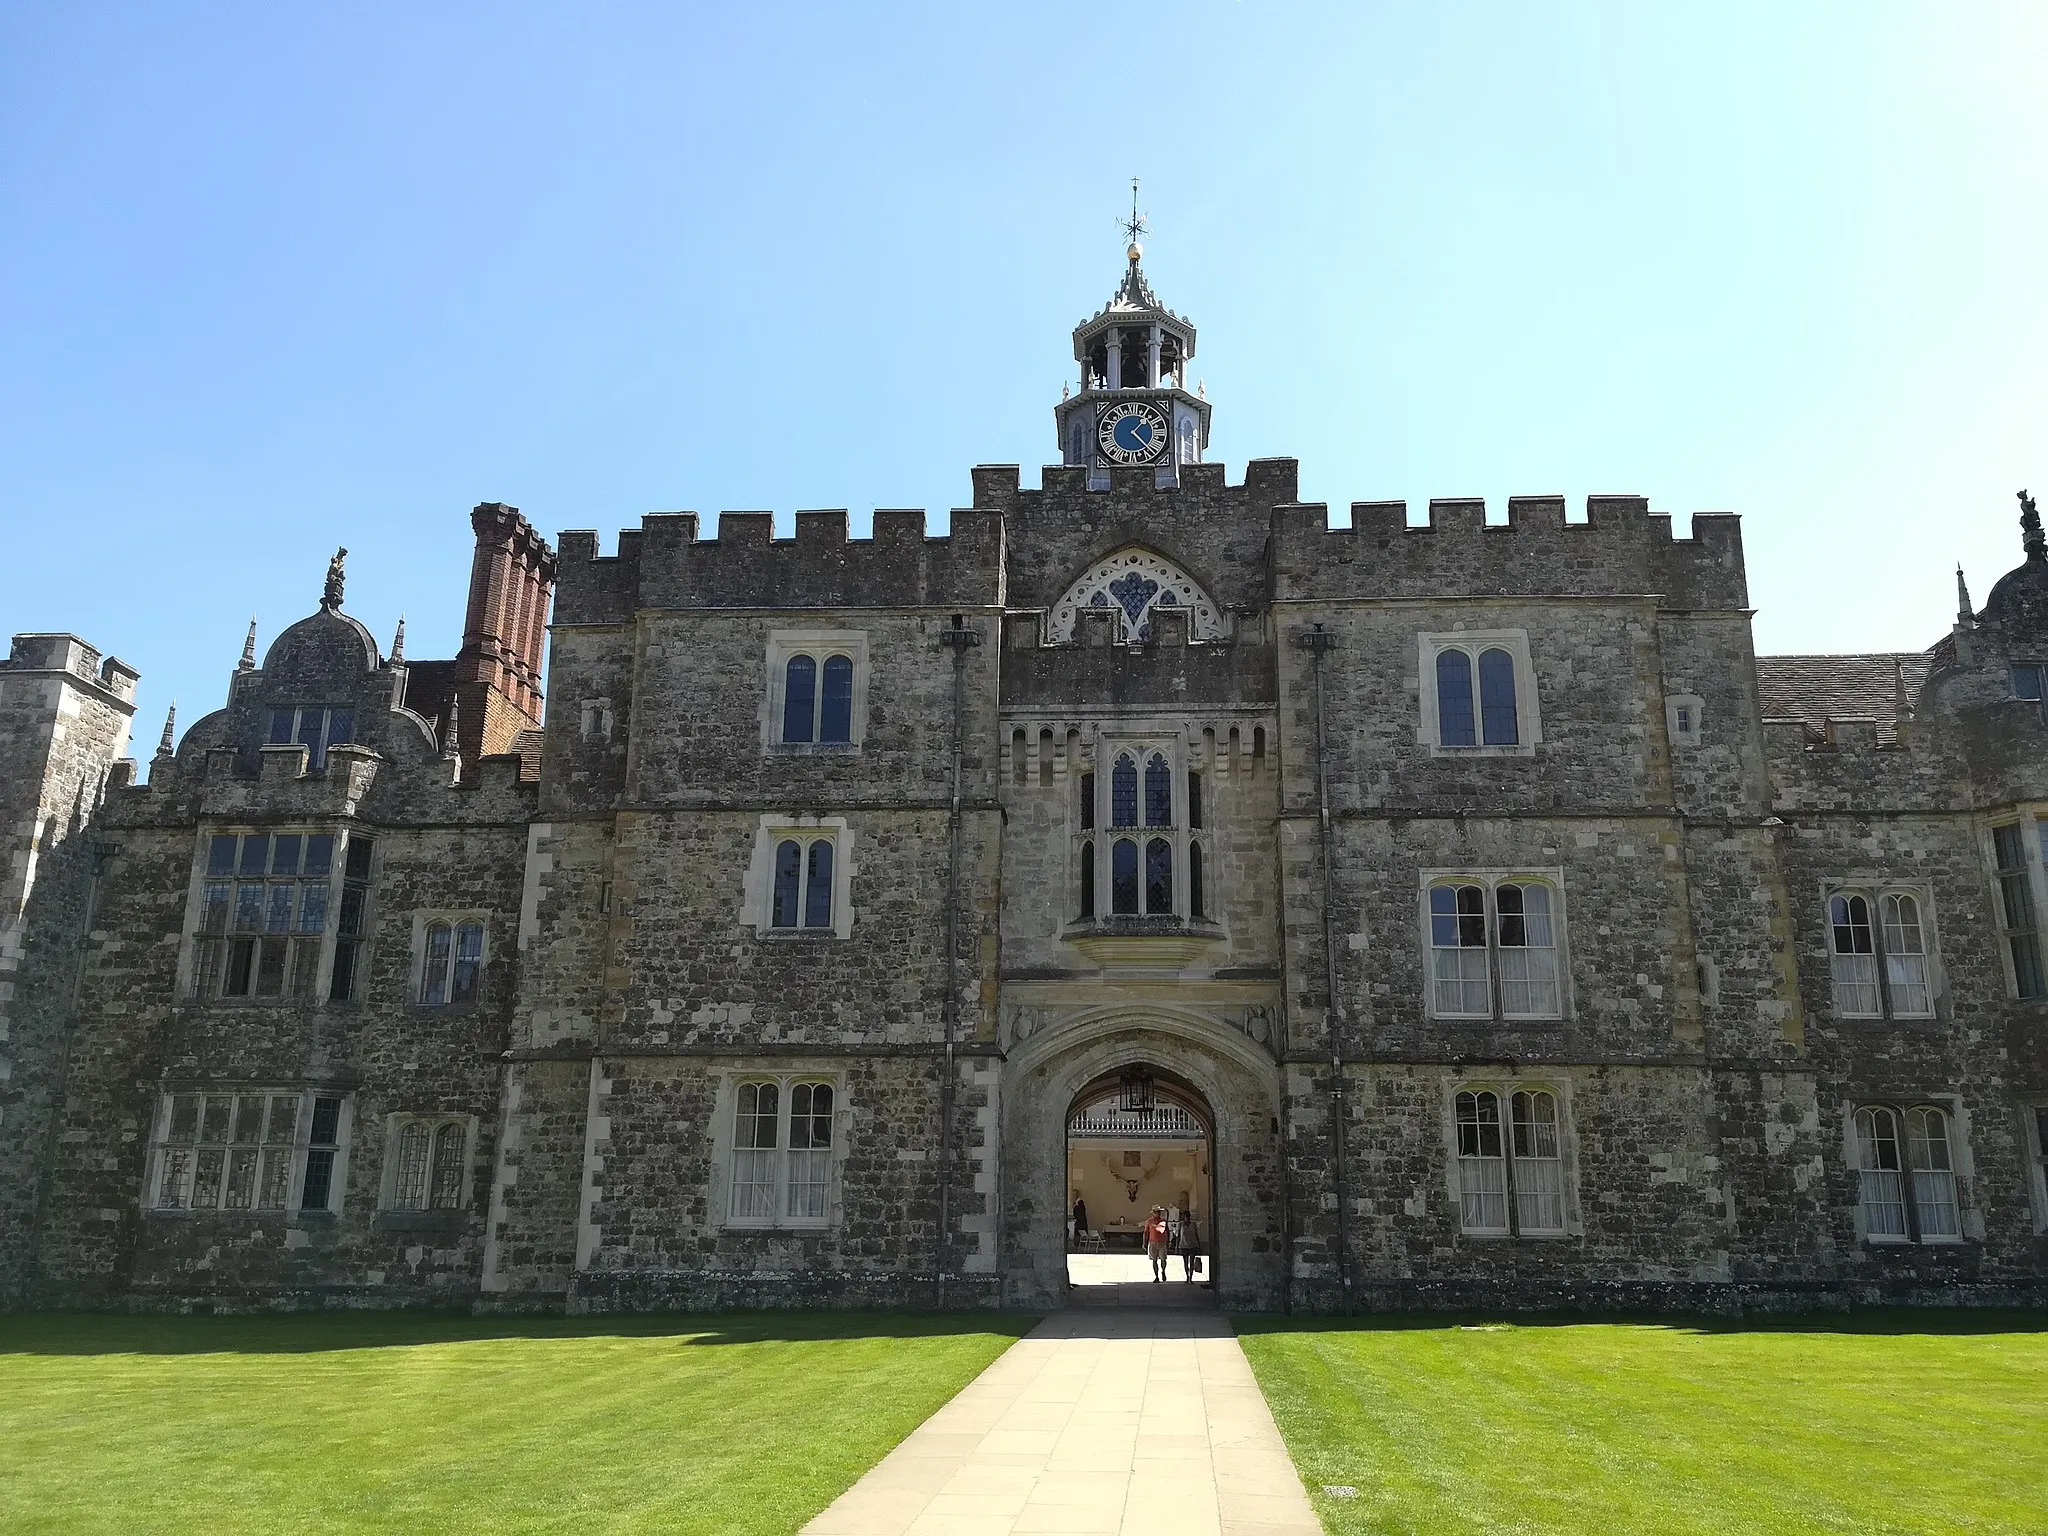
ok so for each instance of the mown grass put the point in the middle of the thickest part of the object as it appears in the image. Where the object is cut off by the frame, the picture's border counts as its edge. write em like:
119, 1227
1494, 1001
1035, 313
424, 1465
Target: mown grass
1885, 1423
739, 1424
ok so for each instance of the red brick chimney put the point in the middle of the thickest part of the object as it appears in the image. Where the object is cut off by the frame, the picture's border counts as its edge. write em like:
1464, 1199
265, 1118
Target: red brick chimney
504, 636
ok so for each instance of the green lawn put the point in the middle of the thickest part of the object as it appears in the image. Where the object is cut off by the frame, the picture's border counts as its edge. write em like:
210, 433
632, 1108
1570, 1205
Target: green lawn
1881, 1423
738, 1423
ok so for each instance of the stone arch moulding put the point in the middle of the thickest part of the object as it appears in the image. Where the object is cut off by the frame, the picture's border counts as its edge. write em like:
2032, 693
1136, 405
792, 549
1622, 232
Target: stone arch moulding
1121, 1026
1134, 583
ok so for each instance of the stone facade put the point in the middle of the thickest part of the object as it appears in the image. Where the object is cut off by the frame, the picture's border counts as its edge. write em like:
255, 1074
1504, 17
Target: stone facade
1493, 907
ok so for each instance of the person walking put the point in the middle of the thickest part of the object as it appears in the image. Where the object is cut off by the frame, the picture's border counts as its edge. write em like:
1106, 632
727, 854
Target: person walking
1155, 1241
1080, 1217
1187, 1242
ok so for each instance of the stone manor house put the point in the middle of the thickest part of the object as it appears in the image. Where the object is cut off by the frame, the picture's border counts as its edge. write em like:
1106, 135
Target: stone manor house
1488, 922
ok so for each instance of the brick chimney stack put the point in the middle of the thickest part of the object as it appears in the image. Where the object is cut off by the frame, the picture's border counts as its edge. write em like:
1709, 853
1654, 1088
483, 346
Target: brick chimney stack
504, 636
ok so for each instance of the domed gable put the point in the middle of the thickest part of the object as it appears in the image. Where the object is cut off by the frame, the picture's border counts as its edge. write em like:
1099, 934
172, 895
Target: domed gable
2019, 603
327, 647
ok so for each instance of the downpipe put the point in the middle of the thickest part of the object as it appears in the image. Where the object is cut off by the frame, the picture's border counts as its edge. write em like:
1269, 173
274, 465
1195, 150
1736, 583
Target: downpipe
1317, 641
957, 639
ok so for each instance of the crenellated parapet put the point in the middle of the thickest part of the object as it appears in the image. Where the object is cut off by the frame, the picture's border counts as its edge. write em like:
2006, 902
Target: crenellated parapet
1621, 549
663, 564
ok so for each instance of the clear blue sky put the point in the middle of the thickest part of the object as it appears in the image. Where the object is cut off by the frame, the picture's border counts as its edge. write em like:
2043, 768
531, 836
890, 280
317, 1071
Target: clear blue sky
274, 278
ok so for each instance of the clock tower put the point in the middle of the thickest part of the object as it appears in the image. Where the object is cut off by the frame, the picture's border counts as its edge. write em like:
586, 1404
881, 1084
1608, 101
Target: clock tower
1134, 407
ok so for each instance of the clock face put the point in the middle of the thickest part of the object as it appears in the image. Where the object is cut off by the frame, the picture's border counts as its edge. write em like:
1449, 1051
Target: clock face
1132, 432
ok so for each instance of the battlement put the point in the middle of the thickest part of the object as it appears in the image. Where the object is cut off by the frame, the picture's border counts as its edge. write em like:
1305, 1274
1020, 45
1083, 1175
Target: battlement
72, 656
664, 564
1267, 483
1622, 548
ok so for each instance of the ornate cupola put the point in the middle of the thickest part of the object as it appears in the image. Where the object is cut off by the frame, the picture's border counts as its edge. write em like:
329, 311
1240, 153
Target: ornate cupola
1135, 406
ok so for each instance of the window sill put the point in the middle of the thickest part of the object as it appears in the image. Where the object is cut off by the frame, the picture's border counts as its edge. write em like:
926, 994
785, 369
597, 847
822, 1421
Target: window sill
448, 1221
823, 1225
812, 749
769, 935
1438, 749
1530, 1021
161, 1213
1517, 1237
1144, 943
1897, 1243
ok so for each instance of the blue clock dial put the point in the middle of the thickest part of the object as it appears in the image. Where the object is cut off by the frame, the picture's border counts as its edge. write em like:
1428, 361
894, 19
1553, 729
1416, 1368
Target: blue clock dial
1134, 434
1131, 432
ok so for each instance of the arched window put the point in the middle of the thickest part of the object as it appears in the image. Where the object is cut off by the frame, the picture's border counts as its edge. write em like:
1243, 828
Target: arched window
432, 1166
756, 1135
1088, 879
1457, 938
818, 886
409, 1189
450, 1167
1133, 583
799, 699
451, 963
1158, 877
1497, 699
1194, 798
1123, 793
1934, 1181
789, 864
810, 1148
434, 976
1905, 957
1482, 1164
1123, 877
835, 711
1528, 951
1158, 793
1882, 1170
1538, 1164
1878, 955
1198, 905
1855, 956
1454, 699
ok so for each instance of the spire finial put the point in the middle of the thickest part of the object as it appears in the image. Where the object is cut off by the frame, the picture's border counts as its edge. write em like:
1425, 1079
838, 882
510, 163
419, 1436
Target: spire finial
330, 597
2030, 529
1965, 614
248, 661
451, 734
398, 641
163, 746
1135, 226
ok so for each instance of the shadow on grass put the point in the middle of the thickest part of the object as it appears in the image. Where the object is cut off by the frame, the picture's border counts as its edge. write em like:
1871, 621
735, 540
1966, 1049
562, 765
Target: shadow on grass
97, 1333
1864, 1320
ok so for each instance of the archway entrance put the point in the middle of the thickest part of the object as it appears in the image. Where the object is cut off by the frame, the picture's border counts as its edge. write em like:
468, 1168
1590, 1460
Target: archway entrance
1140, 1140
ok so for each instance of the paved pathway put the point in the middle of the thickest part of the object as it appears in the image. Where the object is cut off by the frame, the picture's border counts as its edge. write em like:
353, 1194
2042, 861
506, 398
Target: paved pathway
1110, 1422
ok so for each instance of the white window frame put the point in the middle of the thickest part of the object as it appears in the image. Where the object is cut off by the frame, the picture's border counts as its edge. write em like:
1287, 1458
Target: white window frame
1490, 881
1876, 894
317, 747
1912, 1196
757, 892
1181, 835
395, 1127
454, 920
1528, 716
1517, 1203
818, 644
727, 1166
295, 1151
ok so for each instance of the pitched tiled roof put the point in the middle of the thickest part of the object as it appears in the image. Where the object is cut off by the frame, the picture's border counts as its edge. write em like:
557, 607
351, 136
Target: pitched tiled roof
1821, 688
527, 745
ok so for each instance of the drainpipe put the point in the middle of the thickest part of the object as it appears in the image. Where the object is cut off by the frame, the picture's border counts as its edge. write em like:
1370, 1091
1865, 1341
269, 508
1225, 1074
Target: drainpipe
1316, 641
957, 639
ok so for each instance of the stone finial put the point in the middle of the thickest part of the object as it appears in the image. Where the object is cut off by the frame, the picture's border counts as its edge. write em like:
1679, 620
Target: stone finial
1965, 614
398, 641
163, 746
451, 733
248, 661
2030, 529
330, 596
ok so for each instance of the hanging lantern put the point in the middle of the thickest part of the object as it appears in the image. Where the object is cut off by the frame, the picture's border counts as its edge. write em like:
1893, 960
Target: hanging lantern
1137, 1092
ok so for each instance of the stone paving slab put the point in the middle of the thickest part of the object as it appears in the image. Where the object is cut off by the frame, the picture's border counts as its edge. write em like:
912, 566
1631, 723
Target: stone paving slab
1118, 1422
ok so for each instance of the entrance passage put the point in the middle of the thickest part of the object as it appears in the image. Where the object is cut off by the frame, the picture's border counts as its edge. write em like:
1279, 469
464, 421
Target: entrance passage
1139, 1143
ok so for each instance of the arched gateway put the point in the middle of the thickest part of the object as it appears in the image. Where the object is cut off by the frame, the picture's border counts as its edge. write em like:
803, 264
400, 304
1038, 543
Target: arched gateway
1229, 1087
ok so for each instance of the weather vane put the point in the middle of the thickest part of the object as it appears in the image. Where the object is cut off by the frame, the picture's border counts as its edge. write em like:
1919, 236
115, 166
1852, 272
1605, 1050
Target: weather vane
1135, 225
